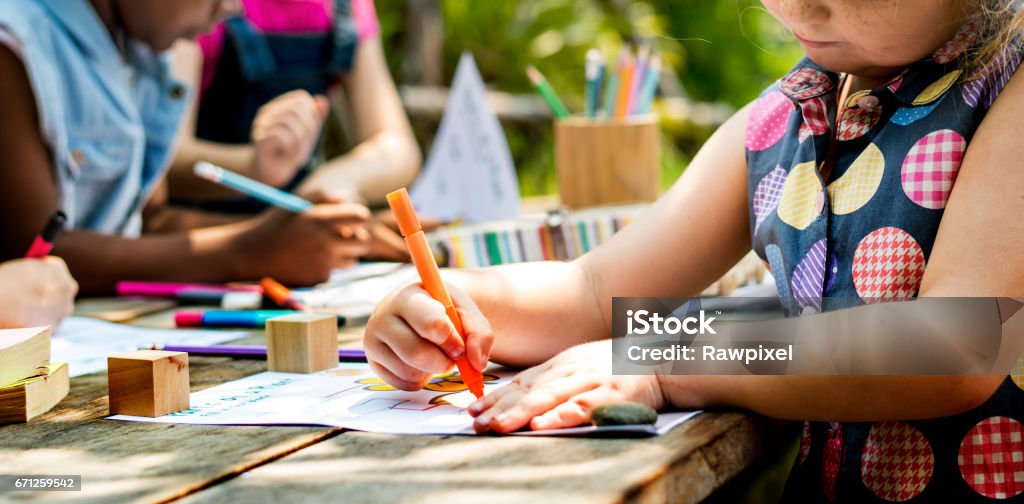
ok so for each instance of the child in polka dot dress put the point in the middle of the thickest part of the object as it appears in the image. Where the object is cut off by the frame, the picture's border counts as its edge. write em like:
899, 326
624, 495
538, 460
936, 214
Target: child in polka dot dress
885, 165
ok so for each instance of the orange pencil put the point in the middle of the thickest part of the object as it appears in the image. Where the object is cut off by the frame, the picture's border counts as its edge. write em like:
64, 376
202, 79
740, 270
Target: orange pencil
281, 295
409, 226
625, 85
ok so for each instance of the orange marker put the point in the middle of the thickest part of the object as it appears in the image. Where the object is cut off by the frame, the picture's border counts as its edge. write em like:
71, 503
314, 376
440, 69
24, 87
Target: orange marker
281, 295
625, 85
409, 226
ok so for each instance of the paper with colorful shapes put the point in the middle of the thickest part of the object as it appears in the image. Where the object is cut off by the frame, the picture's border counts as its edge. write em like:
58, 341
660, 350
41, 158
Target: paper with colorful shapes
351, 396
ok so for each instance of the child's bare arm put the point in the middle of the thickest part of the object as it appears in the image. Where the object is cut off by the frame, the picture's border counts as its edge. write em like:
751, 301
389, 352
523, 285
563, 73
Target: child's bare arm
300, 249
683, 243
387, 156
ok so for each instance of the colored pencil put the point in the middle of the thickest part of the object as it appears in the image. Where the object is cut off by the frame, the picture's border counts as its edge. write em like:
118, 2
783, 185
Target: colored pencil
547, 93
594, 74
249, 187
650, 86
625, 83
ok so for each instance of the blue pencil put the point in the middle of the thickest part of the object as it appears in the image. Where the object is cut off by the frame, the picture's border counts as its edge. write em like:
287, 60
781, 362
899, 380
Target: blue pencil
249, 187
611, 91
650, 86
594, 74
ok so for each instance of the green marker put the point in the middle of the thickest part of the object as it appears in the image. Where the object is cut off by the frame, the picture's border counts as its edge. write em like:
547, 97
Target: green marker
544, 88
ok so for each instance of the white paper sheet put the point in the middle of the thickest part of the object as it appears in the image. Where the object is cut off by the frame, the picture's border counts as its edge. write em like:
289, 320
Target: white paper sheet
469, 174
352, 397
85, 343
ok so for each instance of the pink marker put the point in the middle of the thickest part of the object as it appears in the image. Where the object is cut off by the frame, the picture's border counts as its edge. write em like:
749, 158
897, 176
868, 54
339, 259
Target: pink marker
43, 243
174, 289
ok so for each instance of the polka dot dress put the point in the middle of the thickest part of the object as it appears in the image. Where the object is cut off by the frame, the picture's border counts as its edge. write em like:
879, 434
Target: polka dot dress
862, 234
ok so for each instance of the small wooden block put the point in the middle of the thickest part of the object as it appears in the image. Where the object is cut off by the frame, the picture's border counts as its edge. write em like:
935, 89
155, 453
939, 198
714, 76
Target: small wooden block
148, 383
302, 343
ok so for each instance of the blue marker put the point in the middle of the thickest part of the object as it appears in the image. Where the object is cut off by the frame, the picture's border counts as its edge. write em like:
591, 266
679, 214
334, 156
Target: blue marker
594, 74
232, 318
249, 187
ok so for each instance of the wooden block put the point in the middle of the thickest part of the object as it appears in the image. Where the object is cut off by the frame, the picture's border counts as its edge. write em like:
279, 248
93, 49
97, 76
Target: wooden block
302, 343
148, 383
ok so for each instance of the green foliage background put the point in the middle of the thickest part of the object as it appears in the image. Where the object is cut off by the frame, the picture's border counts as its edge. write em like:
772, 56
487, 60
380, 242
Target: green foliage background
721, 50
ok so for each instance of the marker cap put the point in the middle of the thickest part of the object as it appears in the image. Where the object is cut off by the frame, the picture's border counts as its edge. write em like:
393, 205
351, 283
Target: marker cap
188, 318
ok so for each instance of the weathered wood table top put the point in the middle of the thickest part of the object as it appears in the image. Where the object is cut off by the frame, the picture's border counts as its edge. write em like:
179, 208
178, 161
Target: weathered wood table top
147, 462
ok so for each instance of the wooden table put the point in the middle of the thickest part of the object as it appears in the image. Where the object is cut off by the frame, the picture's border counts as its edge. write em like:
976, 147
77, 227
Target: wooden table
148, 462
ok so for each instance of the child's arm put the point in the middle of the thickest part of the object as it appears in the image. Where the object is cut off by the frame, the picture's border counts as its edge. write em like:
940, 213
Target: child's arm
978, 252
297, 249
36, 292
387, 156
679, 246
285, 131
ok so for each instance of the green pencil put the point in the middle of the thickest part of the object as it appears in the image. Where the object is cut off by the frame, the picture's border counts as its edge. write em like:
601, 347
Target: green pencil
544, 88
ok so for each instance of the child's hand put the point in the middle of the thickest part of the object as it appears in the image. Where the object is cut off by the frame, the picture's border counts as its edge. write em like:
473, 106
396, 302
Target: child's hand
35, 292
284, 133
562, 392
302, 249
409, 338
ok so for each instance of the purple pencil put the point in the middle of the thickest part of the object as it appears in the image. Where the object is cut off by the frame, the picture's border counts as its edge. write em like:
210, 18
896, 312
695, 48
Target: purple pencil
248, 351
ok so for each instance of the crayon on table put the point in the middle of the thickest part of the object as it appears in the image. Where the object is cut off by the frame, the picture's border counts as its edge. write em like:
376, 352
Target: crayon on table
409, 226
43, 243
249, 187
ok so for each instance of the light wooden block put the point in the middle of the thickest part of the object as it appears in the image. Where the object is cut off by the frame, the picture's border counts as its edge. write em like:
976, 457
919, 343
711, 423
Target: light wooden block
148, 383
302, 343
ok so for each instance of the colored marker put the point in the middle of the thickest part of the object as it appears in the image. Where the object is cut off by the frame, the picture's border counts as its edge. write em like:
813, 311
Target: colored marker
650, 86
594, 74
281, 295
546, 92
638, 77
232, 318
43, 243
419, 250
247, 351
612, 89
175, 289
625, 83
249, 187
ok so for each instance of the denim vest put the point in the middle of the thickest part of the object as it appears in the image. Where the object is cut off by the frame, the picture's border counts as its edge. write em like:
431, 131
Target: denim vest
109, 119
256, 67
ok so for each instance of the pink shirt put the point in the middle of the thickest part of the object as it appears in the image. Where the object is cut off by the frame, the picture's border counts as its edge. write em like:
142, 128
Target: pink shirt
287, 16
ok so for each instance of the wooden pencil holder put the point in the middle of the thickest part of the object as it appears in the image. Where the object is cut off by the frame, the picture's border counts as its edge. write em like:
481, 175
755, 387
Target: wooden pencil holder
602, 162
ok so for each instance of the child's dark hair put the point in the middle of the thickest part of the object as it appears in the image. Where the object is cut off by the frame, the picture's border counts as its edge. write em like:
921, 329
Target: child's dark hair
1000, 27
